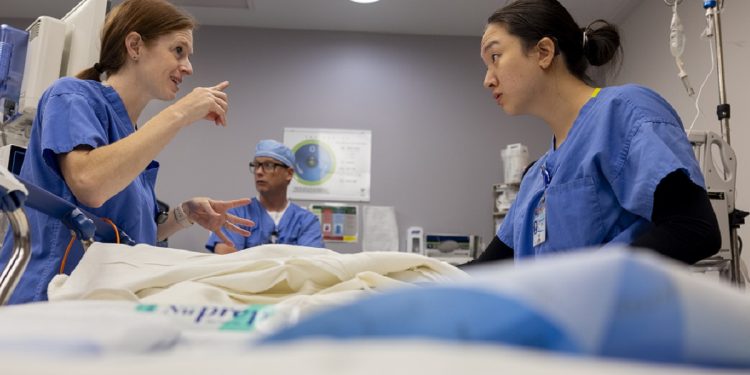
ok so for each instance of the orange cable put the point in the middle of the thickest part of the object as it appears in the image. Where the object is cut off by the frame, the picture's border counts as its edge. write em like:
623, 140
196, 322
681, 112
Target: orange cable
117, 233
67, 251
73, 238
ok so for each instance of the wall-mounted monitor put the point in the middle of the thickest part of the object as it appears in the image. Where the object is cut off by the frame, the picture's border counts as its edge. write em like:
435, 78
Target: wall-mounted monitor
83, 29
57, 48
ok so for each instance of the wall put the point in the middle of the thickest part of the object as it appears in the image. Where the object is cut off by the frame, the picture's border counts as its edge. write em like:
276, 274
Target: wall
648, 61
436, 132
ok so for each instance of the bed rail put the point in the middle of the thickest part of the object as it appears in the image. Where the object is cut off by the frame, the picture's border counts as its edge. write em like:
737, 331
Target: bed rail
12, 197
20, 256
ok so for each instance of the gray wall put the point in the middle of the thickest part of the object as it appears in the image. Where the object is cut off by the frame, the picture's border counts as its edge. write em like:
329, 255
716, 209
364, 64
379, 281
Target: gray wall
436, 132
649, 62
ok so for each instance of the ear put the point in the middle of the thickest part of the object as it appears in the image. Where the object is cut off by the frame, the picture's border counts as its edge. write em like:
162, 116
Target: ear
547, 49
134, 45
289, 174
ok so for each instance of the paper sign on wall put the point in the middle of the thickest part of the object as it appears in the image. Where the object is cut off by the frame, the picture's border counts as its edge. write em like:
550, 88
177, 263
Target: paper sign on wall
330, 164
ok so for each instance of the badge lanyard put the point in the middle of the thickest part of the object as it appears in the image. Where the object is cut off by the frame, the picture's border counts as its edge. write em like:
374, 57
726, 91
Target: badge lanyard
539, 230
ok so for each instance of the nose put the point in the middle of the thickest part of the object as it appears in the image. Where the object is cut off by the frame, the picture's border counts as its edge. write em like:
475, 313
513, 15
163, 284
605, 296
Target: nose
490, 81
187, 67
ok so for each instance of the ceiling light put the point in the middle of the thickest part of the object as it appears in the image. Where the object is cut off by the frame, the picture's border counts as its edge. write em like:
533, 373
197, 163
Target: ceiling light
365, 1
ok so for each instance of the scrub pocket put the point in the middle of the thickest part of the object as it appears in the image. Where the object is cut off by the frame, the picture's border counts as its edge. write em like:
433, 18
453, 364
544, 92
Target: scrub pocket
574, 217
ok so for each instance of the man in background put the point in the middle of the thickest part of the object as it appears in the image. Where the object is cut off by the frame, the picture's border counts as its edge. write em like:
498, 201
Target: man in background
276, 219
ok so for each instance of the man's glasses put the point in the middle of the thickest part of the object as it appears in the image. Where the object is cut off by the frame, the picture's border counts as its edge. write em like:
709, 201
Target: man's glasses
268, 166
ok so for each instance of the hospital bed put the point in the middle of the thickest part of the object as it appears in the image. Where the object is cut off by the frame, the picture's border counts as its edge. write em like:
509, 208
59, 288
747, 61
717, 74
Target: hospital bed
295, 309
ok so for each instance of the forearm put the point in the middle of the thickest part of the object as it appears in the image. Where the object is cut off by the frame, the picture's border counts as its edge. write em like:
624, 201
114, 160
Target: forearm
98, 174
497, 250
173, 225
683, 238
684, 224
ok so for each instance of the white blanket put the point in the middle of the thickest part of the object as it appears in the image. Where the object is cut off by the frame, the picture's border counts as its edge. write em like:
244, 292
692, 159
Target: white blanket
263, 275
83, 328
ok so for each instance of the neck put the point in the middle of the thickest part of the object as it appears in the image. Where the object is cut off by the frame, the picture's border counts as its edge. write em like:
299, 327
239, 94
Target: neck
132, 94
274, 201
561, 104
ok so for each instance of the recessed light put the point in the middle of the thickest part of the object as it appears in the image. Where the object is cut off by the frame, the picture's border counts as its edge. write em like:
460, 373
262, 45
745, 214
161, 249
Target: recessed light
365, 1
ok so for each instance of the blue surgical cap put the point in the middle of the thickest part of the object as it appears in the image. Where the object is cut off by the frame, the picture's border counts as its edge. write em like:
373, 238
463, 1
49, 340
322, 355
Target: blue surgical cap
273, 149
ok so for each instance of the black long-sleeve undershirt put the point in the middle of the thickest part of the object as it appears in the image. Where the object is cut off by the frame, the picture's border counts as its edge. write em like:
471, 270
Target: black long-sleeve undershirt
684, 225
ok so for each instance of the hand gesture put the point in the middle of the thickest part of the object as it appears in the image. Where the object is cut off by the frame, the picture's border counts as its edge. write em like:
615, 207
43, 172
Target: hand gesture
209, 103
212, 215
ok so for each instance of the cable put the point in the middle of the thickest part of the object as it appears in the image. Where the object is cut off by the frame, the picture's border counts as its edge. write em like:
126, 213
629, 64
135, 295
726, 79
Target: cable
700, 90
67, 251
114, 227
73, 238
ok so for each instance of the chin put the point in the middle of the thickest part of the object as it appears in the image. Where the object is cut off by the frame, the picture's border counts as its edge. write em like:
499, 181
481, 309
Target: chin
510, 110
510, 113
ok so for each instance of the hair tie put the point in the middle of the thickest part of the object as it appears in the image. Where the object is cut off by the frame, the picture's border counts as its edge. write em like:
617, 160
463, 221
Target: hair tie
98, 67
585, 37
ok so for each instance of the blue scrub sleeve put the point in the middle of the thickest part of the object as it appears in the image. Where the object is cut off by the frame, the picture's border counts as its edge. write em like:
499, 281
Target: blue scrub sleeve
656, 150
311, 234
505, 232
69, 121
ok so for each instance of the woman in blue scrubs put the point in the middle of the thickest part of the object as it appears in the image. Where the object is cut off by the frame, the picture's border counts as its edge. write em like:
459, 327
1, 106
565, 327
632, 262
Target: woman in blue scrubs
87, 147
619, 170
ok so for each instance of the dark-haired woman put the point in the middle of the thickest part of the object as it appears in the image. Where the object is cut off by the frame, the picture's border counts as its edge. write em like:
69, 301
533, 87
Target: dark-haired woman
87, 147
620, 169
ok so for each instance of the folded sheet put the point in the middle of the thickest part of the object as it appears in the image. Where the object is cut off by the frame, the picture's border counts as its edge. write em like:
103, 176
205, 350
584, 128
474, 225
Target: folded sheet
266, 274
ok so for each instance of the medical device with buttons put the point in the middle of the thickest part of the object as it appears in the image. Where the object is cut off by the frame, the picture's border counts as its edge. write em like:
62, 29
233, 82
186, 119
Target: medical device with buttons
451, 248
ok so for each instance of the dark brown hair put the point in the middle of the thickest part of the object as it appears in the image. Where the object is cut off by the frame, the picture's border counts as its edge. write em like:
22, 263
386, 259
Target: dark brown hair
532, 20
149, 18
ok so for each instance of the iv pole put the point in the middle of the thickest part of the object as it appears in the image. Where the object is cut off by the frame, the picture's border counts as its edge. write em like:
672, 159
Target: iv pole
736, 217
722, 110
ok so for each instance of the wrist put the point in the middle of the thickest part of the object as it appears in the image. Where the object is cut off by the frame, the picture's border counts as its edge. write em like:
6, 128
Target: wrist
174, 115
182, 215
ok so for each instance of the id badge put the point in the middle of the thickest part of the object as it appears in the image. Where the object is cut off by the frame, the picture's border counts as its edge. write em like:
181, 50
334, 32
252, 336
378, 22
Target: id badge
539, 231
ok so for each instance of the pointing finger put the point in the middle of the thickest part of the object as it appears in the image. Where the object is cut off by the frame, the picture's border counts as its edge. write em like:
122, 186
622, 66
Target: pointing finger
221, 86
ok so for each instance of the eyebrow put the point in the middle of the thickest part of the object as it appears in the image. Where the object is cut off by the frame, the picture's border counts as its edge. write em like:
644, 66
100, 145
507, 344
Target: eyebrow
490, 44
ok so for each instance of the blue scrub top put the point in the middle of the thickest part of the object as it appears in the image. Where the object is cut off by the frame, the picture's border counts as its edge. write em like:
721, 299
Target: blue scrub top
603, 177
297, 227
72, 113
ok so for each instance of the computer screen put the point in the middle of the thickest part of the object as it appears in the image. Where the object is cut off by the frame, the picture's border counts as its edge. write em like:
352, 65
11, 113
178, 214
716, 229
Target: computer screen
11, 157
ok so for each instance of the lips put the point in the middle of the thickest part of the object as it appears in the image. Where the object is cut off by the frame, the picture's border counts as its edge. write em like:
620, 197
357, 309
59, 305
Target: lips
177, 81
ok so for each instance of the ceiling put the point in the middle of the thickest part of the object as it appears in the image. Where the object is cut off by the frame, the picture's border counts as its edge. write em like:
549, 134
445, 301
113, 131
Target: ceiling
430, 17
